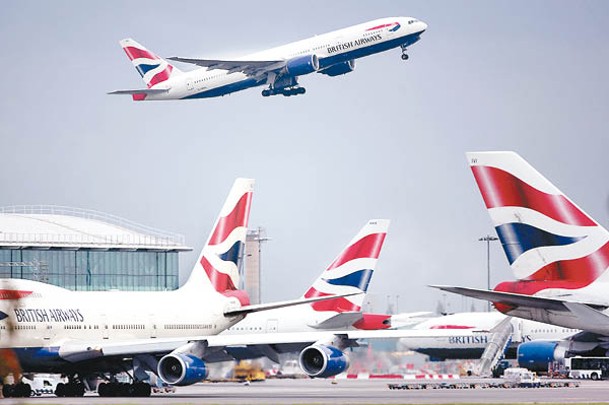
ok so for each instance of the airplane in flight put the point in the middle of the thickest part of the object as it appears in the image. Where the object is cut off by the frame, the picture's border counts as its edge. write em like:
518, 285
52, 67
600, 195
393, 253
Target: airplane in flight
558, 254
84, 334
331, 54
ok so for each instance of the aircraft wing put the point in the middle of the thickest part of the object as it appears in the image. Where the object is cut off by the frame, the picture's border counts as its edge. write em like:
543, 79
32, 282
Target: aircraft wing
226, 347
522, 300
140, 91
251, 68
282, 304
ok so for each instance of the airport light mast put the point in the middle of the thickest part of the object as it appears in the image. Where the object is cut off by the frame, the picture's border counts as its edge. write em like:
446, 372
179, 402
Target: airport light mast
488, 239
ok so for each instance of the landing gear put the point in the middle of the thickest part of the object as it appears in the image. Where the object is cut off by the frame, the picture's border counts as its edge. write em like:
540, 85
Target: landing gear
115, 389
286, 91
72, 389
404, 54
20, 390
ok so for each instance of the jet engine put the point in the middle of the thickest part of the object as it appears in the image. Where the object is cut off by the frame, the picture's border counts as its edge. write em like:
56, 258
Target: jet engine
322, 361
181, 369
536, 355
339, 69
302, 65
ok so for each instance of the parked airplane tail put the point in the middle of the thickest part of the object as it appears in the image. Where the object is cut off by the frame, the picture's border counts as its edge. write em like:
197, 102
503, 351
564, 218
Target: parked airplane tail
351, 271
222, 255
549, 241
152, 68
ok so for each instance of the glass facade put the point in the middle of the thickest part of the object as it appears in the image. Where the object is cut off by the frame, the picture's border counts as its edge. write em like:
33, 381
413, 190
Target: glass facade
93, 270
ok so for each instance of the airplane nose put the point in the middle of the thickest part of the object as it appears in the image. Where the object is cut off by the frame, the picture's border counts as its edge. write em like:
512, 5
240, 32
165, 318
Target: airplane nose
423, 27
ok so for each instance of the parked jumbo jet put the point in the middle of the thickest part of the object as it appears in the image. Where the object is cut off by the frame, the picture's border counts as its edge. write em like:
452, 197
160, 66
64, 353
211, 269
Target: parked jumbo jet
466, 335
90, 335
332, 54
558, 254
87, 334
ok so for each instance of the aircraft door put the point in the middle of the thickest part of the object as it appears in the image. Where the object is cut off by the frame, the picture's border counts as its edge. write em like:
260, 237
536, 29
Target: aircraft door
272, 326
104, 326
152, 325
189, 85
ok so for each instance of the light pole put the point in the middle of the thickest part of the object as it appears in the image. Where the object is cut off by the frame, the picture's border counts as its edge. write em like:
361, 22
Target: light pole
488, 239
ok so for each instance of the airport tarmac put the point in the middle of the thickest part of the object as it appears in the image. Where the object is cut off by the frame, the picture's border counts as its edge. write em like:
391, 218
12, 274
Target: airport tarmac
343, 392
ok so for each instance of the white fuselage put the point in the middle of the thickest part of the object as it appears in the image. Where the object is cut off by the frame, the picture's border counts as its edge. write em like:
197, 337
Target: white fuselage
46, 315
335, 47
466, 335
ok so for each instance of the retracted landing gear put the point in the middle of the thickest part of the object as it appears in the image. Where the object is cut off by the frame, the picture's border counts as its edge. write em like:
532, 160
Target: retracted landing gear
404, 54
286, 91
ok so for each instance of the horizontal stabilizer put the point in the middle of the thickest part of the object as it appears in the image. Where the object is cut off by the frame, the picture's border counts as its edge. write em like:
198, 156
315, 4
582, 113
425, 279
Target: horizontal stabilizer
282, 304
140, 91
590, 315
516, 300
342, 320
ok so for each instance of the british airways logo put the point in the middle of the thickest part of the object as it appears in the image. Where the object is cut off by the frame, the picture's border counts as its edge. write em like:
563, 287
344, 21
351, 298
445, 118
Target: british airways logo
468, 340
352, 44
48, 315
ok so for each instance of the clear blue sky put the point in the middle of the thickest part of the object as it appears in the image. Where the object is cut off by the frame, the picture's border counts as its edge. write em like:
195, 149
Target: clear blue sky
387, 140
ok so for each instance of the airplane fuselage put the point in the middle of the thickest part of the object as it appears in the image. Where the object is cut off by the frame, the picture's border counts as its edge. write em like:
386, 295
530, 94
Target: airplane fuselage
466, 336
45, 316
331, 49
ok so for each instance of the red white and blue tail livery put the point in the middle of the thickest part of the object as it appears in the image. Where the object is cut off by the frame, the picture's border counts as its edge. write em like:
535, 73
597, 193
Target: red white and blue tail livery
351, 271
222, 255
87, 334
331, 54
558, 253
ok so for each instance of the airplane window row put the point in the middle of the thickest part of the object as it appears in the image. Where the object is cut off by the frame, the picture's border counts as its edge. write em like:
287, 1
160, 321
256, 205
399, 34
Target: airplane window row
244, 328
132, 326
80, 327
21, 327
188, 326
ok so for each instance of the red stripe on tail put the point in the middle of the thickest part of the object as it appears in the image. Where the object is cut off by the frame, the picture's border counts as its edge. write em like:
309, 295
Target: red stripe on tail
339, 304
501, 189
136, 53
367, 247
237, 218
569, 274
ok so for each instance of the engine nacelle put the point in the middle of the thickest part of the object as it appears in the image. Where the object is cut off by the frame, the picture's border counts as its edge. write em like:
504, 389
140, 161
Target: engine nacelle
340, 68
323, 361
302, 65
181, 369
536, 355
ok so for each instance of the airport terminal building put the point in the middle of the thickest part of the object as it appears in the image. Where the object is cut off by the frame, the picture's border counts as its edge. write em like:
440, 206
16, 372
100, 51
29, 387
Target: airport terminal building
86, 250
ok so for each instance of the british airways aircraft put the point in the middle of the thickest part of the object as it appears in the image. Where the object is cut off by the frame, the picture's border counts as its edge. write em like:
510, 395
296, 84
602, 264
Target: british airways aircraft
45, 328
95, 335
350, 272
559, 256
332, 54
466, 335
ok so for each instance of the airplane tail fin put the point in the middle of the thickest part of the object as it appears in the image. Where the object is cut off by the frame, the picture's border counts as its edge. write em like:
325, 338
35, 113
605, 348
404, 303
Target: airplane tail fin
351, 271
152, 68
222, 255
549, 241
